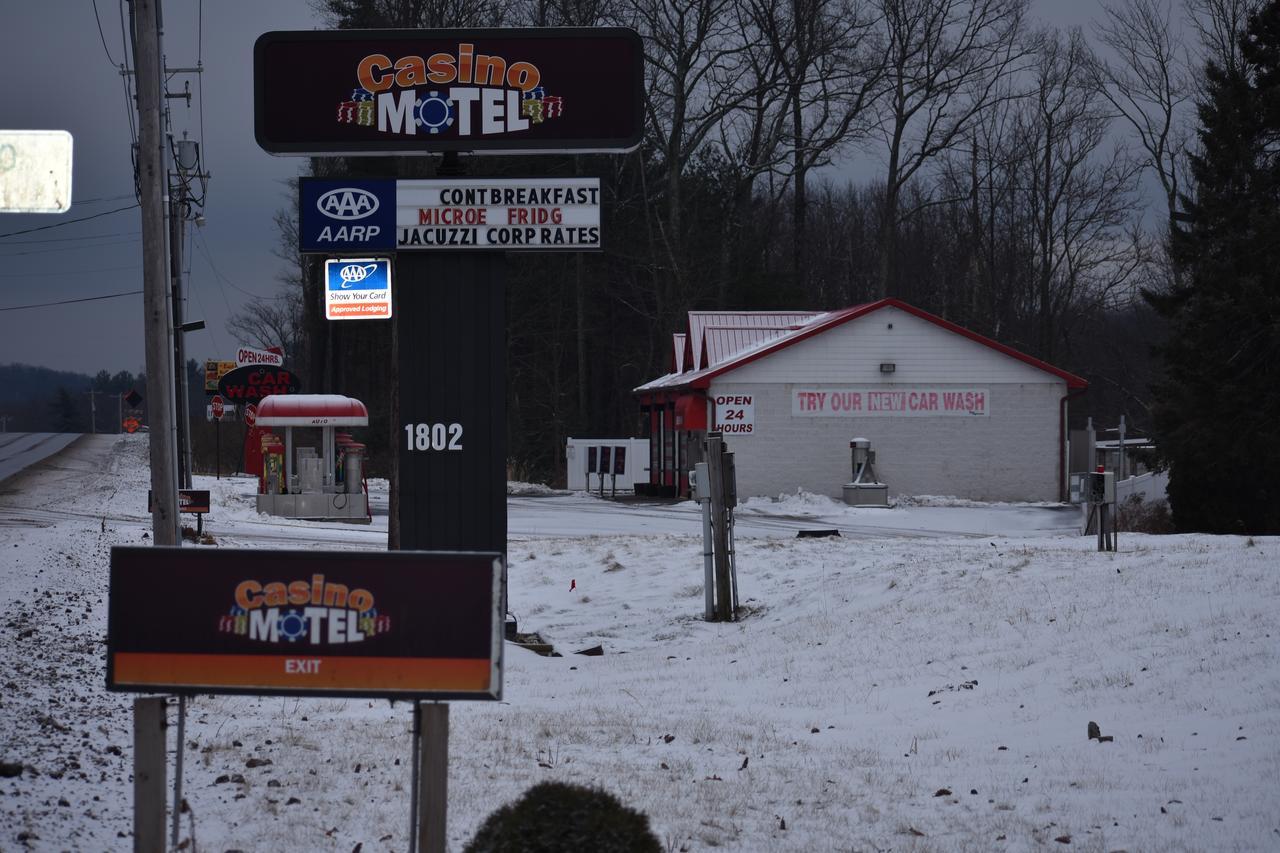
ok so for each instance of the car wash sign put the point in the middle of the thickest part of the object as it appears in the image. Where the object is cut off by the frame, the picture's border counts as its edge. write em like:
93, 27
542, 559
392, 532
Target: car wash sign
398, 624
845, 402
419, 91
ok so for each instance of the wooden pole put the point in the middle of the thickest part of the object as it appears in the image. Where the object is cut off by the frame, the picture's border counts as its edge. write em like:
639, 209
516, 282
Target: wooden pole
148, 775
719, 526
166, 526
433, 775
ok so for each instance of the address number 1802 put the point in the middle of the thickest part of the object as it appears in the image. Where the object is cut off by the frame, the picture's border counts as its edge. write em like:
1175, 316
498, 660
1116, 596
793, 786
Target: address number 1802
433, 436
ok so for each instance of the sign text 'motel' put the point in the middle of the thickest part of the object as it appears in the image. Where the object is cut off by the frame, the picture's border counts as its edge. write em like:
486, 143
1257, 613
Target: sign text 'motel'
451, 214
419, 91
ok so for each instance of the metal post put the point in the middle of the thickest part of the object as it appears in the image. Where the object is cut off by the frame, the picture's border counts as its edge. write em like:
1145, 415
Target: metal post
148, 775
159, 354
1120, 473
433, 793
416, 751
176, 221
708, 550
177, 772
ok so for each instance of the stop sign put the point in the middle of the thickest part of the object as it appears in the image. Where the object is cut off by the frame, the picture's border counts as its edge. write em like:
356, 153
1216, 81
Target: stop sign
216, 405
250, 413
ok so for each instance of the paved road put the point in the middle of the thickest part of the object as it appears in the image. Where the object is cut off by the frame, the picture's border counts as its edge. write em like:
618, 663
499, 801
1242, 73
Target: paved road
19, 450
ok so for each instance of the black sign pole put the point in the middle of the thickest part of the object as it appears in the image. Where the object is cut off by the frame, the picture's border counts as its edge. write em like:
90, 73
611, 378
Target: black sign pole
452, 424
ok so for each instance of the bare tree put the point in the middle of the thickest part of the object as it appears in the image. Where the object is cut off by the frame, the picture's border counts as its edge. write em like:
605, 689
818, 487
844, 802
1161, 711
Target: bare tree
946, 62
695, 57
277, 320
1219, 24
1146, 82
378, 14
829, 63
1079, 198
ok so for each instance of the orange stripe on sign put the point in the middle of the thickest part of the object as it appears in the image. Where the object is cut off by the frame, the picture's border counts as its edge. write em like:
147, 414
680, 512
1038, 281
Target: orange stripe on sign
302, 672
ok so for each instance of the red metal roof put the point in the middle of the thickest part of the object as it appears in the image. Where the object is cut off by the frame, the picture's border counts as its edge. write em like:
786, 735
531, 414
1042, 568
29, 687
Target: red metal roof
311, 410
701, 378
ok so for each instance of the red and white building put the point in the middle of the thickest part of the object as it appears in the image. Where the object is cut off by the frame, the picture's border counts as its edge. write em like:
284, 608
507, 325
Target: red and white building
947, 411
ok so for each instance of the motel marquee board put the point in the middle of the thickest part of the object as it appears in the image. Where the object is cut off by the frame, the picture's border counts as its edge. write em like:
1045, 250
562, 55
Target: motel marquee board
390, 92
398, 624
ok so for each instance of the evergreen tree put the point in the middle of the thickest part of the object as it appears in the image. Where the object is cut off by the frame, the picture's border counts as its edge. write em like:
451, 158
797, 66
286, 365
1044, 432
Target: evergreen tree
1218, 403
66, 418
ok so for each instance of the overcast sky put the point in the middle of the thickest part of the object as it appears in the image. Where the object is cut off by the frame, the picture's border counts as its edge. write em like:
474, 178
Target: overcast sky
57, 75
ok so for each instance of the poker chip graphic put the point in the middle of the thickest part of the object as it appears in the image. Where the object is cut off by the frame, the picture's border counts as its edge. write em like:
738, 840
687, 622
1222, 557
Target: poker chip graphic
432, 112
292, 626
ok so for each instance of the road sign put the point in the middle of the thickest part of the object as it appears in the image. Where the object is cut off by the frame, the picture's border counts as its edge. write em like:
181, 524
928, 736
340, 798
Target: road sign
35, 171
397, 624
250, 414
357, 289
216, 406
133, 398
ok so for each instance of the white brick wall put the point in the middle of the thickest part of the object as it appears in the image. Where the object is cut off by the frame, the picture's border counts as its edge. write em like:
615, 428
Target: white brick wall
1010, 455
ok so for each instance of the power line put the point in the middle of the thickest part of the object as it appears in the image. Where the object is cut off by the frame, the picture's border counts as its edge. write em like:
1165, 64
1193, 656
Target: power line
101, 36
129, 103
72, 301
204, 250
86, 244
69, 221
72, 239
67, 272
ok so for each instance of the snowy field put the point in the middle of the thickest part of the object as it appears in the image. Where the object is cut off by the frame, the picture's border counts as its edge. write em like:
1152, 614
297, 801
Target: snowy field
923, 683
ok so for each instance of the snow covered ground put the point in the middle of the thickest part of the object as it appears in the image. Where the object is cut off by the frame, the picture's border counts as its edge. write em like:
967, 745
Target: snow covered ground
924, 682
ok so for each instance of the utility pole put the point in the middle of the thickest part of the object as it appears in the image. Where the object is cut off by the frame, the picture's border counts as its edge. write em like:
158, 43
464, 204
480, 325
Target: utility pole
93, 411
159, 351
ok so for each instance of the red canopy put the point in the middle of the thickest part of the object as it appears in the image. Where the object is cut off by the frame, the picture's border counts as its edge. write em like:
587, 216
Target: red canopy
311, 410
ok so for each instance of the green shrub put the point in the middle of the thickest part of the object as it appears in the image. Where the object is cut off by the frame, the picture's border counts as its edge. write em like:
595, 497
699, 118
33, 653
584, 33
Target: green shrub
553, 817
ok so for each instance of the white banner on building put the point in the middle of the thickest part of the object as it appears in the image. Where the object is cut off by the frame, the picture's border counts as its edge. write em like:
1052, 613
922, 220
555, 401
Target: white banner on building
843, 402
498, 213
735, 414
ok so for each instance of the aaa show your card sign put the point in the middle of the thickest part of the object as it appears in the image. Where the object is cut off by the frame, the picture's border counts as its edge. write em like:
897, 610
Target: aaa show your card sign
401, 624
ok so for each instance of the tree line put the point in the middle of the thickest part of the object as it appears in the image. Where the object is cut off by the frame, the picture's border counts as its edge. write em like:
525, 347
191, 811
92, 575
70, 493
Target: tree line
1017, 179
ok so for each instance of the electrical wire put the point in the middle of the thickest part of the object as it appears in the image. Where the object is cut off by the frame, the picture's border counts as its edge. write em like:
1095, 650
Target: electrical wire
83, 245
204, 250
69, 272
101, 36
71, 239
72, 301
124, 82
70, 221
